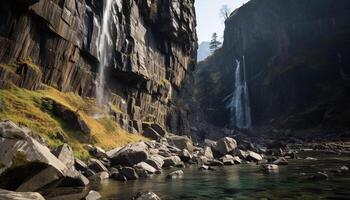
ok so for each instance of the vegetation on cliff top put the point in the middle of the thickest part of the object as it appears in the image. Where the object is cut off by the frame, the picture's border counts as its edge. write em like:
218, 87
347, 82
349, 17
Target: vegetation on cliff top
31, 109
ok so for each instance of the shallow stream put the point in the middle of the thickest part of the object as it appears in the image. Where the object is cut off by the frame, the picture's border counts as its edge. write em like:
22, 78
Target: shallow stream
242, 182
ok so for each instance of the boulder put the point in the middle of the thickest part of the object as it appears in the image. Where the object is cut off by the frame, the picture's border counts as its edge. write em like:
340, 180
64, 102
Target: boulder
185, 155
204, 167
148, 168
227, 160
25, 164
99, 177
270, 167
181, 142
92, 195
65, 154
113, 152
80, 165
119, 177
96, 151
160, 130
146, 196
88, 173
96, 165
142, 173
242, 154
175, 174
130, 155
280, 161
344, 169
215, 162
10, 195
155, 161
207, 152
74, 178
224, 146
129, 173
209, 143
172, 161
151, 134
252, 156
237, 160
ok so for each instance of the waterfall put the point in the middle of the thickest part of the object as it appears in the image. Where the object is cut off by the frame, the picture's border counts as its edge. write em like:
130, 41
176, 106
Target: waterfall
239, 104
102, 48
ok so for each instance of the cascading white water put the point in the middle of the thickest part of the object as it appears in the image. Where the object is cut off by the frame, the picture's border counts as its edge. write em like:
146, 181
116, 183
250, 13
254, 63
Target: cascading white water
239, 104
102, 47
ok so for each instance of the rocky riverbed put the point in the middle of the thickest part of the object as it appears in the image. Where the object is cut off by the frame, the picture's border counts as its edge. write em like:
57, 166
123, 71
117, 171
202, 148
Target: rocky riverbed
168, 162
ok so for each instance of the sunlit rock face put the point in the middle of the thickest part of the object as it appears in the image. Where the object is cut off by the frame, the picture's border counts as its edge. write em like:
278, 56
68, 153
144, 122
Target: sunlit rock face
151, 52
297, 64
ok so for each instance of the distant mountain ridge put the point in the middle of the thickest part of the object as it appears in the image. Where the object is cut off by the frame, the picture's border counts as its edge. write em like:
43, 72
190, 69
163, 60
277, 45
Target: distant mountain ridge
203, 51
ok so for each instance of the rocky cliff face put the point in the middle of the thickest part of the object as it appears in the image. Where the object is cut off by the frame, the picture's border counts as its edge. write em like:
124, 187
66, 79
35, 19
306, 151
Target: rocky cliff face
151, 53
297, 64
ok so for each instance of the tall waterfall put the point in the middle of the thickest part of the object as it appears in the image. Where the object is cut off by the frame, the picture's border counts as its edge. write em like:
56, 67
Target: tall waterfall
102, 47
239, 104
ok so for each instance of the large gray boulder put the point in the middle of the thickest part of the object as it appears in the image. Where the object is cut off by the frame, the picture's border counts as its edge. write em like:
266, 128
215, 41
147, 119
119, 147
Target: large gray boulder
25, 164
146, 167
252, 156
10, 195
151, 134
129, 173
80, 165
207, 152
74, 178
172, 161
99, 176
96, 151
224, 146
156, 161
181, 142
227, 160
156, 127
130, 155
185, 155
97, 166
160, 130
65, 154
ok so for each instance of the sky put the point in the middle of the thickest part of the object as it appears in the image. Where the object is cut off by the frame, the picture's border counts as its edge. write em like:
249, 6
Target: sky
208, 17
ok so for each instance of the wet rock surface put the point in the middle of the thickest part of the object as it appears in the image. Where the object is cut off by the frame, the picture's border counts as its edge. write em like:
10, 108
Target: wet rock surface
146, 196
9, 195
151, 54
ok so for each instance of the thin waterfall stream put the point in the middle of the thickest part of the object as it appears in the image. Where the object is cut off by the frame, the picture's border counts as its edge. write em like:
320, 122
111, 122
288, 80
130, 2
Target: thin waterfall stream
102, 47
239, 104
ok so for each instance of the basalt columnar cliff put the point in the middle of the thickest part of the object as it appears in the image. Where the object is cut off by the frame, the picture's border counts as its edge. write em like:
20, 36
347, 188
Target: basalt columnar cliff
295, 55
151, 54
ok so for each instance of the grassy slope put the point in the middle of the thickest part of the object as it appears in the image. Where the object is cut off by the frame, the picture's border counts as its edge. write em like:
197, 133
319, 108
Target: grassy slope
28, 108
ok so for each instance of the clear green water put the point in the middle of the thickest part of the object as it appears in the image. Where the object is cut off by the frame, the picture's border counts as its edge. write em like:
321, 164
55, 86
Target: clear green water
242, 182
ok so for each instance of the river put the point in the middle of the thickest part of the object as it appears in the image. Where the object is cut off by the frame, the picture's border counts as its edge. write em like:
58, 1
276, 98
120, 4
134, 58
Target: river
246, 181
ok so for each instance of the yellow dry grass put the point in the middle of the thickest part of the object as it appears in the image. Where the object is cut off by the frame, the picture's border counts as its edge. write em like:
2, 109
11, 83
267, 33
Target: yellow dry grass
25, 107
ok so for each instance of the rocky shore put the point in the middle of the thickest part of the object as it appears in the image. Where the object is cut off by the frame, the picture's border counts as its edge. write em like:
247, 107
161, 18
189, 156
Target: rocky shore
26, 165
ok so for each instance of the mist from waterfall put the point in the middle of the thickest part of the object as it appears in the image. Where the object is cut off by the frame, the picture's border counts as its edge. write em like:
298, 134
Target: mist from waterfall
239, 104
102, 48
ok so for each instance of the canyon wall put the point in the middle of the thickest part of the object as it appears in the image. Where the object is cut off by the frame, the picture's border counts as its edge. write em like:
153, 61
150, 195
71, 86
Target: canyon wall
152, 53
297, 59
